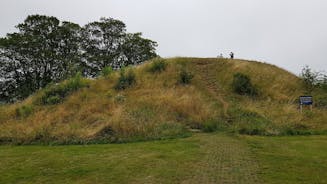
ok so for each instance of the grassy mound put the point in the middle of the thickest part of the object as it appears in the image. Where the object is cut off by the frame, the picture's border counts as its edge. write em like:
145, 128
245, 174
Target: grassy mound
159, 106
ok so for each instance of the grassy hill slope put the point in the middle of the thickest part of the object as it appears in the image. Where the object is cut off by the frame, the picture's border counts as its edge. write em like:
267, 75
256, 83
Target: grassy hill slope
159, 107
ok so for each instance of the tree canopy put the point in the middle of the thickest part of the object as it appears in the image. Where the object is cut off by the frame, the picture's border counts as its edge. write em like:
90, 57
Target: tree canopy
47, 50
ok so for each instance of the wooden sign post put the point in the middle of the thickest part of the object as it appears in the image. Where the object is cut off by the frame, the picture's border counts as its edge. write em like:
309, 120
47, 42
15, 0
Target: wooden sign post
306, 100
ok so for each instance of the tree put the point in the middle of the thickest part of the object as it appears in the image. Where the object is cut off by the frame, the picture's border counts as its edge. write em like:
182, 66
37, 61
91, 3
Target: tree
69, 39
46, 50
106, 43
137, 49
43, 51
324, 82
102, 42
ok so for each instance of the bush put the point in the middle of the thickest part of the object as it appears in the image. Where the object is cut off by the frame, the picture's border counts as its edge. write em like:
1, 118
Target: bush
213, 125
24, 111
105, 135
321, 101
242, 85
185, 76
56, 93
51, 100
252, 131
158, 65
309, 78
324, 85
106, 71
292, 131
125, 80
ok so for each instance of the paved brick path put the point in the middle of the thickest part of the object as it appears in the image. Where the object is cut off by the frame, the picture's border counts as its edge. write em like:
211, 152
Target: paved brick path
225, 160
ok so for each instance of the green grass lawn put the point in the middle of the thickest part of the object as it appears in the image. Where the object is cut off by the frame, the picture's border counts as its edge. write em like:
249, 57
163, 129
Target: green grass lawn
146, 162
202, 158
298, 159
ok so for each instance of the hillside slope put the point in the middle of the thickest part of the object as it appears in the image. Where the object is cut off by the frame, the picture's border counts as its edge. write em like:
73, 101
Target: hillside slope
158, 107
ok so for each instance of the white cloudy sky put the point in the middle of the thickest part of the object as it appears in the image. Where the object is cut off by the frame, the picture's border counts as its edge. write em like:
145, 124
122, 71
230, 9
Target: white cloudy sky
287, 33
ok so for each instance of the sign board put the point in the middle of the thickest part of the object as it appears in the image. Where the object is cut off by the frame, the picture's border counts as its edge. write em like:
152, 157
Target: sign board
306, 100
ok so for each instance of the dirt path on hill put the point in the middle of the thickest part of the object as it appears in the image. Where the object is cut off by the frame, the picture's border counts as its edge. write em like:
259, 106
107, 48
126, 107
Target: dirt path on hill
225, 160
207, 75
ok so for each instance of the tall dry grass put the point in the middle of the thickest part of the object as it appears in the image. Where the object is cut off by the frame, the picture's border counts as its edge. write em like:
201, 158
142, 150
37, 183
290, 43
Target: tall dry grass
157, 106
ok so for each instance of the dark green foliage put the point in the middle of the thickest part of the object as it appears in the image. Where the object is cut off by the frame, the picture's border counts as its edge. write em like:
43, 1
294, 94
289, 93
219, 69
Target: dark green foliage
55, 94
158, 65
43, 51
313, 80
137, 49
51, 100
125, 80
323, 82
107, 44
324, 86
213, 125
292, 131
46, 50
106, 71
310, 78
242, 85
24, 111
105, 135
185, 76
315, 84
252, 131
321, 101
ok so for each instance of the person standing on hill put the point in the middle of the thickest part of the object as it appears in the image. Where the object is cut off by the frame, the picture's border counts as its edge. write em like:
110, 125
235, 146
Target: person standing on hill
231, 55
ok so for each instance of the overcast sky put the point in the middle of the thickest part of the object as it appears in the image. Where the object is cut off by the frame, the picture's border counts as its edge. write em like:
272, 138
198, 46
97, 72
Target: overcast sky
287, 33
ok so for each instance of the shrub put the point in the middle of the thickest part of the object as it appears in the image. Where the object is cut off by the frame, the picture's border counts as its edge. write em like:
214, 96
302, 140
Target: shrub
292, 131
24, 111
242, 85
105, 135
310, 78
106, 71
125, 80
158, 65
56, 93
321, 101
75, 83
185, 76
213, 125
252, 131
51, 100
324, 85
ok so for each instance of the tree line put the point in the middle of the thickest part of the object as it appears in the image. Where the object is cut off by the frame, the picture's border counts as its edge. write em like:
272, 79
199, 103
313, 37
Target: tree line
46, 50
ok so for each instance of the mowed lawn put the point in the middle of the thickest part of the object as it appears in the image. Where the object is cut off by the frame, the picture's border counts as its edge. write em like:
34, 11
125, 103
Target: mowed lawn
202, 158
144, 162
298, 159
